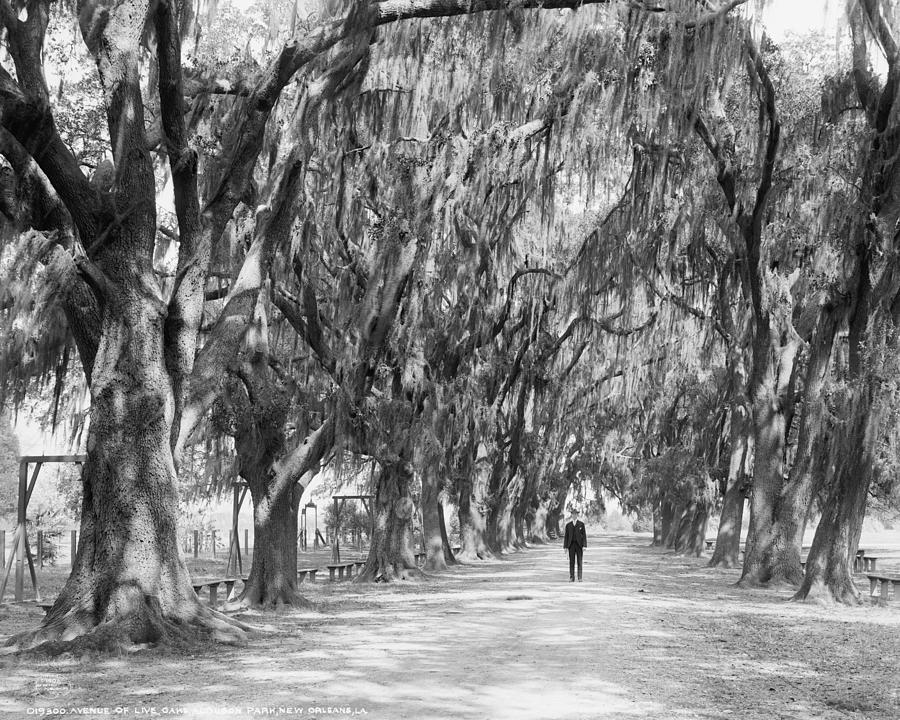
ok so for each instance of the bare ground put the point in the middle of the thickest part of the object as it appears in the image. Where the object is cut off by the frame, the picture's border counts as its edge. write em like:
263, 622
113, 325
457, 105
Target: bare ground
647, 635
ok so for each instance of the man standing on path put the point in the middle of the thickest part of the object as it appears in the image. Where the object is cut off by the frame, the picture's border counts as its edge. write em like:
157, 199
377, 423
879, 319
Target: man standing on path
574, 543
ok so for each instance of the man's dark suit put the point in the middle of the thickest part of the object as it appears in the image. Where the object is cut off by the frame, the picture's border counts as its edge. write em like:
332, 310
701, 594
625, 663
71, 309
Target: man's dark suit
575, 542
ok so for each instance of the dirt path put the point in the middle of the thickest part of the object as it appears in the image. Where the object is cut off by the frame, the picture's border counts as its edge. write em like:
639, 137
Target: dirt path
645, 635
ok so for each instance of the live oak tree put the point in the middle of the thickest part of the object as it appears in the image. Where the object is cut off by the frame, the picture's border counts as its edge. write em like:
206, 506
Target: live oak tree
868, 390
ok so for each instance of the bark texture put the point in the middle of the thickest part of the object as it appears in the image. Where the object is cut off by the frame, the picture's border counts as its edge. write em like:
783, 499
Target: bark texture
728, 540
390, 556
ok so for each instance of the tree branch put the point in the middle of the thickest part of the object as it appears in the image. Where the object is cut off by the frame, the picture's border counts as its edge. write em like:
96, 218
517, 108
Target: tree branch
290, 308
195, 246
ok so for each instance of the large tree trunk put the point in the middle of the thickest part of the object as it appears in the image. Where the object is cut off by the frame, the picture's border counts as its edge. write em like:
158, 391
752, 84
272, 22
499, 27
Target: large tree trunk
539, 521
769, 425
272, 582
129, 584
432, 521
676, 526
390, 555
554, 514
828, 569
500, 530
519, 511
471, 525
692, 529
667, 526
518, 526
795, 500
657, 527
728, 539
449, 558
775, 351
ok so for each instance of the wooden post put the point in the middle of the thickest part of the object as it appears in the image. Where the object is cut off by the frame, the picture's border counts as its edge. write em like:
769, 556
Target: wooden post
40, 548
2, 548
196, 542
302, 535
246, 542
335, 543
315, 528
212, 540
73, 548
235, 565
20, 533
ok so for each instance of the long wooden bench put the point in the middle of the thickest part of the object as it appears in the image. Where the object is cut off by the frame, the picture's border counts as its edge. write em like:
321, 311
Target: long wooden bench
869, 562
885, 581
198, 585
303, 572
341, 569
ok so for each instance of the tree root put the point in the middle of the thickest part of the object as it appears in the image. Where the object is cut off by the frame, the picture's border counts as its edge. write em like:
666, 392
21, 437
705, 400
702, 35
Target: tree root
390, 573
724, 562
75, 631
254, 598
820, 593
473, 556
750, 582
434, 565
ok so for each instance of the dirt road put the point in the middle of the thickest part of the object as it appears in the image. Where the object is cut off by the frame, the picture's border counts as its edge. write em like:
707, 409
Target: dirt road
645, 635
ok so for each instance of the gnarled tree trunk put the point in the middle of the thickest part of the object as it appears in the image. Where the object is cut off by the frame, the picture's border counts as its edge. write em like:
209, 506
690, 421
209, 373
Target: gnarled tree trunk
728, 539
691, 533
129, 584
272, 581
828, 570
775, 350
471, 524
796, 495
390, 555
538, 523
500, 527
554, 514
437, 549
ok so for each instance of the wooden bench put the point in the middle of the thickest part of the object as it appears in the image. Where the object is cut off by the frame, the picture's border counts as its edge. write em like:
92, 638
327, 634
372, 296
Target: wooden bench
709, 544
213, 585
869, 563
858, 561
885, 581
360, 564
420, 557
303, 572
341, 568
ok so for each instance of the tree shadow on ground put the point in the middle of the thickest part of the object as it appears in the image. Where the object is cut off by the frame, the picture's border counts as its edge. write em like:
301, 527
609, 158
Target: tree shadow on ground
646, 635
